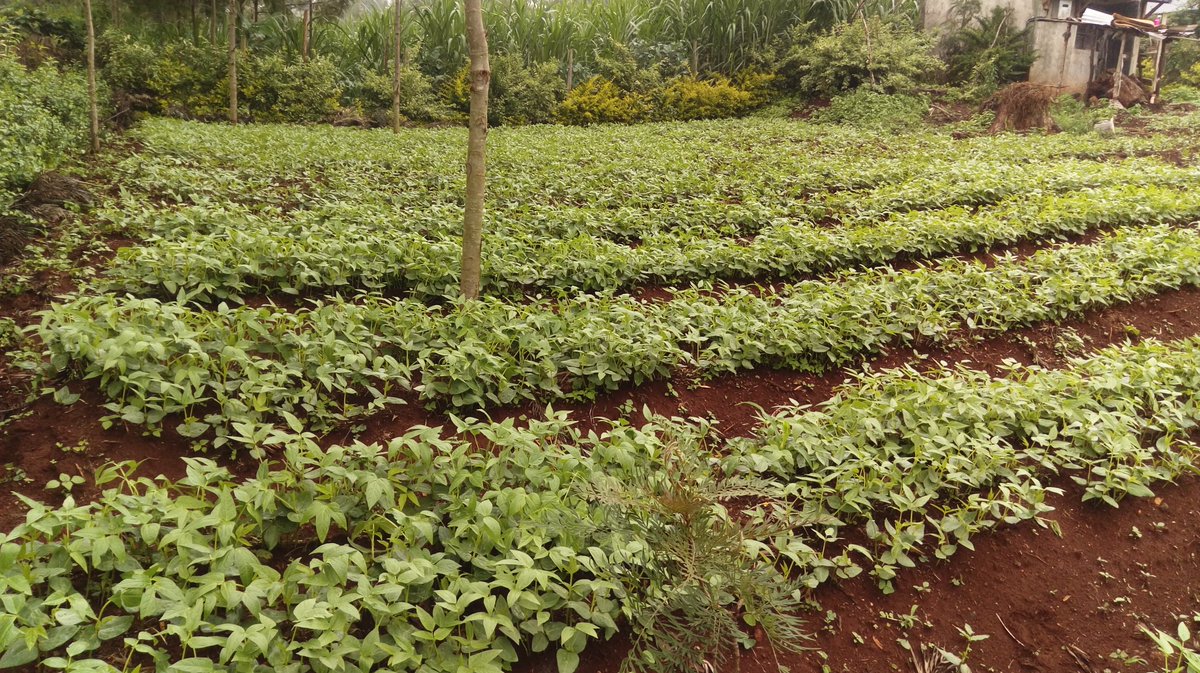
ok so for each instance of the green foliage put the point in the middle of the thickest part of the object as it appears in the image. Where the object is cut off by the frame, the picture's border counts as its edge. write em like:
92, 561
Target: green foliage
519, 93
1178, 648
1181, 93
699, 573
598, 101
688, 99
426, 553
866, 108
277, 91
987, 51
187, 80
885, 56
43, 119
490, 352
418, 100
1072, 115
128, 65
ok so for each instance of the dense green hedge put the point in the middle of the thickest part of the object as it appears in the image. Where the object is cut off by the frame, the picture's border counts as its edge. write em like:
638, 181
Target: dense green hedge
43, 117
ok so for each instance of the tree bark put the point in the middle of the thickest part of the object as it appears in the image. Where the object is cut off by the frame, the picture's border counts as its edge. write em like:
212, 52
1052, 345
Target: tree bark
212, 22
481, 76
570, 69
231, 28
93, 104
399, 57
304, 37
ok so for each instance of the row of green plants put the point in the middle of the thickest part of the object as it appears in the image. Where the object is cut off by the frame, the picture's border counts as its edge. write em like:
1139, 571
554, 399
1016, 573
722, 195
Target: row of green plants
229, 256
734, 164
969, 450
229, 375
428, 553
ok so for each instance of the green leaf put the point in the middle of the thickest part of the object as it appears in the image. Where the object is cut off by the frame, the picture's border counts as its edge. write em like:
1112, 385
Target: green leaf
567, 661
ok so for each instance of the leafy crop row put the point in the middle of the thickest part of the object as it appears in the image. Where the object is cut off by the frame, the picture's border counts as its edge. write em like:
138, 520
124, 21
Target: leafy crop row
429, 554
338, 359
245, 254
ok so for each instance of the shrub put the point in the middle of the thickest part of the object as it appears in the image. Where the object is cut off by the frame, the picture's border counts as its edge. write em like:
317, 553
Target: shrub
519, 94
883, 56
1181, 93
277, 91
1071, 115
870, 109
43, 117
688, 99
188, 80
418, 101
616, 63
760, 85
988, 54
599, 100
127, 65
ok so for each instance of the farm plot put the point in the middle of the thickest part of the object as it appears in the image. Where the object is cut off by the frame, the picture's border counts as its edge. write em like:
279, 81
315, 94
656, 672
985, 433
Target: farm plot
290, 290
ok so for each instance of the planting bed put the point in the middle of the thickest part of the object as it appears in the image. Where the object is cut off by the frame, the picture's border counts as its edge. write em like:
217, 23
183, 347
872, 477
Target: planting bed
740, 381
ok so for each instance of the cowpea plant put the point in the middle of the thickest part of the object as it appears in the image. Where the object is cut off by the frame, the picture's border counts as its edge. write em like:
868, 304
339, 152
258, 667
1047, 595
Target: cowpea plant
239, 370
233, 255
424, 554
430, 553
926, 461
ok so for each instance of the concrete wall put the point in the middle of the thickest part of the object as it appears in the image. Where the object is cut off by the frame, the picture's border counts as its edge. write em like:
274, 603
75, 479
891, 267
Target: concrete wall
1060, 62
937, 13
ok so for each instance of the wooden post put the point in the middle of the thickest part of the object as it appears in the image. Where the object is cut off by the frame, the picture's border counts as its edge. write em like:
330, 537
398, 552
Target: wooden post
398, 29
1160, 62
481, 75
231, 28
1119, 75
93, 104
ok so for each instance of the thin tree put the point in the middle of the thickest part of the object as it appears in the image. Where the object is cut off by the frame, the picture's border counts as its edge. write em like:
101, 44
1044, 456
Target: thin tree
398, 29
231, 28
481, 76
93, 104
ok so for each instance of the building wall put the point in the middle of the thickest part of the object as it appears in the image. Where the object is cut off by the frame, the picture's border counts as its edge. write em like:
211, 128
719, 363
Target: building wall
937, 13
1059, 63
1063, 60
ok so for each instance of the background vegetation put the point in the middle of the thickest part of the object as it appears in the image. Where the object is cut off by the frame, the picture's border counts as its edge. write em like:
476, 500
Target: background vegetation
568, 61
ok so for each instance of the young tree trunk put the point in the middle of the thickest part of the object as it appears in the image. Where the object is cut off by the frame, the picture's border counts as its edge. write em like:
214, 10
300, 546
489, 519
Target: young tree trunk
311, 18
481, 76
195, 24
570, 69
304, 37
399, 57
212, 22
231, 28
93, 104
